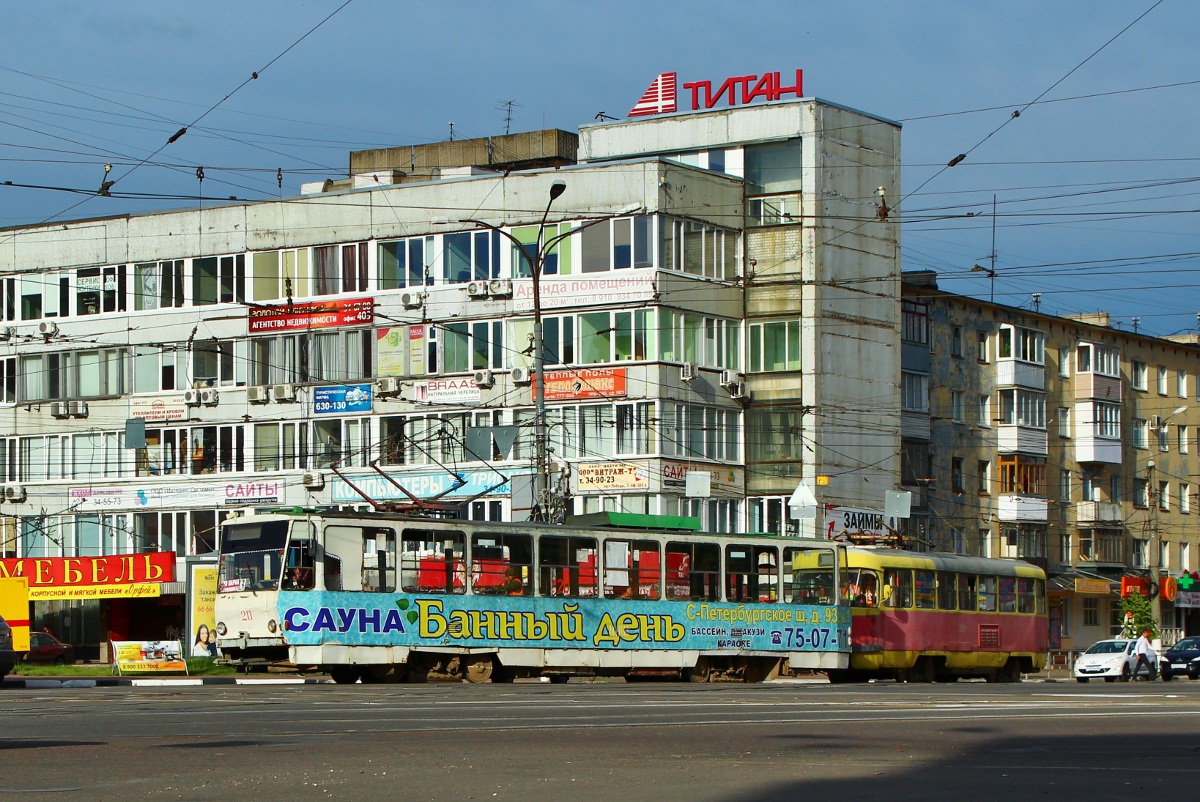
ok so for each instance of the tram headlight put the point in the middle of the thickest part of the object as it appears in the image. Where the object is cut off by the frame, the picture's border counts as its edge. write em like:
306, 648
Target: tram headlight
221, 630
272, 626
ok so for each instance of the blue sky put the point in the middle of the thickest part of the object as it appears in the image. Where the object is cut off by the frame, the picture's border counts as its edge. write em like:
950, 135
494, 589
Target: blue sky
1097, 196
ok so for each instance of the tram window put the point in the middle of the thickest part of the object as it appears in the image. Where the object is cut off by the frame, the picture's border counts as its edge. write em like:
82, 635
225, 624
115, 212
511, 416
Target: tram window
379, 560
631, 569
432, 561
789, 561
693, 571
751, 573
897, 588
1008, 594
860, 587
987, 594
1025, 597
967, 598
1039, 589
567, 566
332, 565
501, 564
926, 590
947, 590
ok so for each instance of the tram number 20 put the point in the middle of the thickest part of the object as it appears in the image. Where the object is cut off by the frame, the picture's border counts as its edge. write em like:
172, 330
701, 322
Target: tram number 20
799, 637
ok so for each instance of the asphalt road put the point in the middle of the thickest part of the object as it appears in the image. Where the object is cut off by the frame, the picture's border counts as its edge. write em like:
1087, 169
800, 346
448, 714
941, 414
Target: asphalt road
582, 742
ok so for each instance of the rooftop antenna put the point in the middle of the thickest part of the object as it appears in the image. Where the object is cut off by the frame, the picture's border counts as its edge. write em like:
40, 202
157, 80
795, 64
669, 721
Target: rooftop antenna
506, 106
452, 130
1037, 301
1136, 321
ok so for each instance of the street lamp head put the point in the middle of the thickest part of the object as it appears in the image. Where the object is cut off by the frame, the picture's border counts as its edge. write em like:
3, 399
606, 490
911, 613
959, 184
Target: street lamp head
557, 188
1179, 411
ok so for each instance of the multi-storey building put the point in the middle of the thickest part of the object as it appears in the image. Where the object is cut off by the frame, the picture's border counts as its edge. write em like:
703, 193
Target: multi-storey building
1058, 440
723, 301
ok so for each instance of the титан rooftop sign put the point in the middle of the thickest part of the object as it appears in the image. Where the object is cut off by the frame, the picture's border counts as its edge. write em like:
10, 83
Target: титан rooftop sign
739, 90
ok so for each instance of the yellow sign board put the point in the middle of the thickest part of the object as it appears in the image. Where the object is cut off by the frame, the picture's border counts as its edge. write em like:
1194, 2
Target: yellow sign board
822, 481
137, 590
1100, 587
14, 607
165, 655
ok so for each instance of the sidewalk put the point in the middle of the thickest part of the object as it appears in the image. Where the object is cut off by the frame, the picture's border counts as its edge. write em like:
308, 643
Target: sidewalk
145, 682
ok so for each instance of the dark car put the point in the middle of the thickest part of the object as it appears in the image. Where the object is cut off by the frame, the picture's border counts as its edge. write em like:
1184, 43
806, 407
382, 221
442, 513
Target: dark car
46, 649
8, 658
1182, 659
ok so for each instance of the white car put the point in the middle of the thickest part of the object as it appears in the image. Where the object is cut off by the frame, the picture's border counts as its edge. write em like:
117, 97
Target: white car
1111, 659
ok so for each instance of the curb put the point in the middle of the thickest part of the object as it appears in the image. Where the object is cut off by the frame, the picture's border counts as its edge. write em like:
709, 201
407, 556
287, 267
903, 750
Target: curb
144, 682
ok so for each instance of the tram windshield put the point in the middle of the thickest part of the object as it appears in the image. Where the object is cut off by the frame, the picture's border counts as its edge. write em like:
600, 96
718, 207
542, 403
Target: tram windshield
252, 556
815, 577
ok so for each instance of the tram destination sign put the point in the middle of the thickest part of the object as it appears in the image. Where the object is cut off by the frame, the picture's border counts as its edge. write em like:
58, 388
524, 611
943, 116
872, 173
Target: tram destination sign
355, 619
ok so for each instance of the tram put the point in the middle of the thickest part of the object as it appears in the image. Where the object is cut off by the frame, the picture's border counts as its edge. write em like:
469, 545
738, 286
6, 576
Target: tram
378, 597
926, 617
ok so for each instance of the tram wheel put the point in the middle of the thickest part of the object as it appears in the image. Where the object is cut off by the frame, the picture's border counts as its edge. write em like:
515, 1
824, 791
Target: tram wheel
922, 671
560, 679
479, 669
701, 672
344, 675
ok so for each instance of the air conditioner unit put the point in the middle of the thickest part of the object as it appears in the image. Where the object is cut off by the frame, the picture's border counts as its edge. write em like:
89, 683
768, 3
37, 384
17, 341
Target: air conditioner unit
209, 397
730, 378
283, 392
412, 300
60, 409
688, 372
1156, 422
500, 286
15, 493
389, 385
191, 398
314, 481
483, 378
521, 376
739, 391
47, 328
258, 394
477, 289
78, 409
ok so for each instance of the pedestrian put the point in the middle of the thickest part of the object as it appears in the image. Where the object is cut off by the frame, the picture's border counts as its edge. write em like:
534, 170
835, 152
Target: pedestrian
1145, 654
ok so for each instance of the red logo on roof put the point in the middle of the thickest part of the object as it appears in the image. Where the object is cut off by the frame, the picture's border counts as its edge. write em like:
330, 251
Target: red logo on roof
740, 90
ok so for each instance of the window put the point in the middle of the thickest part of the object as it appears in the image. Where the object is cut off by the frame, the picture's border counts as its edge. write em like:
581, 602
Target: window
773, 170
219, 280
279, 360
1023, 408
1164, 442
281, 274
470, 256
1114, 487
1141, 492
77, 374
752, 574
981, 351
341, 355
1164, 496
1064, 421
1064, 362
1106, 420
1064, 485
694, 571
502, 564
915, 323
213, 363
956, 406
1185, 498
956, 341
984, 411
158, 285
774, 346
1181, 434
1185, 556
626, 242
914, 392
99, 289
1181, 379
1140, 430
1093, 358
687, 247
631, 569
1137, 375
1026, 345
1088, 488
1162, 380
1164, 555
1091, 612
468, 346
159, 368
956, 474
984, 472
772, 435
433, 561
925, 585
1023, 475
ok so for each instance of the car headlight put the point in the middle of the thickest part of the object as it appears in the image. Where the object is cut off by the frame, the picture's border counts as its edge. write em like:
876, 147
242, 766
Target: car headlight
272, 626
221, 630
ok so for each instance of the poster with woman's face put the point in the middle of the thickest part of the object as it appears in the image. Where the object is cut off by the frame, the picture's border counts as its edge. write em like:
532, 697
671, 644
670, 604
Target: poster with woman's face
202, 597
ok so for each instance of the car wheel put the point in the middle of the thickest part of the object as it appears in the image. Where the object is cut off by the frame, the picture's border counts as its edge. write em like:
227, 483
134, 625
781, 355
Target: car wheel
1110, 679
1167, 676
1125, 673
60, 661
1082, 679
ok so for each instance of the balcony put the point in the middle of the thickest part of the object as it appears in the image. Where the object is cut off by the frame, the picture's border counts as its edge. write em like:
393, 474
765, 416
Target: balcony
1095, 386
1012, 507
1089, 448
1097, 512
915, 425
1022, 440
1018, 373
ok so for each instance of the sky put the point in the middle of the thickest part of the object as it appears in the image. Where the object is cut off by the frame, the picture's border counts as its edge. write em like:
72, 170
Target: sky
1094, 186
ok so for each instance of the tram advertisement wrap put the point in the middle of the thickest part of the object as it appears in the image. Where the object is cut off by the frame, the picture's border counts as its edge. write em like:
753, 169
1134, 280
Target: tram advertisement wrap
316, 617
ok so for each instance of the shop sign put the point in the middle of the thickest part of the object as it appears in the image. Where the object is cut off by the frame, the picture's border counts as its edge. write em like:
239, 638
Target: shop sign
1187, 598
600, 288
14, 607
312, 315
421, 485
114, 576
1099, 587
202, 600
231, 494
390, 351
158, 655
158, 409
604, 476
447, 391
661, 97
574, 385
724, 480
855, 521
344, 399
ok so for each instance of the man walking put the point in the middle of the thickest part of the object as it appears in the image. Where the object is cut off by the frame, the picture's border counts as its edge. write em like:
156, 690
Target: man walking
1145, 654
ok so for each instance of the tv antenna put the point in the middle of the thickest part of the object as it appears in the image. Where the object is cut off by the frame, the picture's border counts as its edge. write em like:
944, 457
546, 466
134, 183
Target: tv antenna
507, 106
